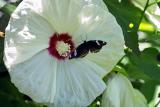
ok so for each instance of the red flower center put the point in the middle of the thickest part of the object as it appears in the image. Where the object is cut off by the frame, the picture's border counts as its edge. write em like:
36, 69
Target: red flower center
60, 45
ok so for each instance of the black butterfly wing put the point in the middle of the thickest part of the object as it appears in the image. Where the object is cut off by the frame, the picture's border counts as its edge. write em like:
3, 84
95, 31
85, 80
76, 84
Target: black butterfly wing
94, 47
81, 51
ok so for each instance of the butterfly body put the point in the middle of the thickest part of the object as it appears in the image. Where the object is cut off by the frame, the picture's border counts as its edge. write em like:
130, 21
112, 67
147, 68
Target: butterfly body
83, 49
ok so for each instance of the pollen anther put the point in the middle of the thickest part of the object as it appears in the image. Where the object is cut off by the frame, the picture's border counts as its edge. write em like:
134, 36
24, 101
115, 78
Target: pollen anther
63, 48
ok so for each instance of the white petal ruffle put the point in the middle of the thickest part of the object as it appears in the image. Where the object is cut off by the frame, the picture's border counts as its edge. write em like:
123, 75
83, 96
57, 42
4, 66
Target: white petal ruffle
63, 83
36, 77
78, 83
26, 34
63, 14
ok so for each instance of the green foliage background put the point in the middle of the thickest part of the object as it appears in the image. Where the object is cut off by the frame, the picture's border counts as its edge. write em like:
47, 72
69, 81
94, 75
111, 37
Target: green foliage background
142, 66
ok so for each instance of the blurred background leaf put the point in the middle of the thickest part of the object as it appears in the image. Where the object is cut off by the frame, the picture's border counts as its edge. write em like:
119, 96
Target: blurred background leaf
142, 39
126, 14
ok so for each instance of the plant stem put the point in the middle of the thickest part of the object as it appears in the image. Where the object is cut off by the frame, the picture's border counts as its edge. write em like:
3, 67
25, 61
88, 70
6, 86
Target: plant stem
143, 13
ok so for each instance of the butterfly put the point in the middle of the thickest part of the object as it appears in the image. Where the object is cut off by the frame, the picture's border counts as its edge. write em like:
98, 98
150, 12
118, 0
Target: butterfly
83, 49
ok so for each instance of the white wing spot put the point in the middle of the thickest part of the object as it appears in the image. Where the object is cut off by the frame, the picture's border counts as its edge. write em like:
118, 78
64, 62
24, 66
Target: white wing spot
97, 42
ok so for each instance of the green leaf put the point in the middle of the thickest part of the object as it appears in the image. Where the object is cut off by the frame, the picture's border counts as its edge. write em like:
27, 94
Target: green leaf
11, 97
158, 5
145, 65
148, 89
8, 9
126, 13
8, 88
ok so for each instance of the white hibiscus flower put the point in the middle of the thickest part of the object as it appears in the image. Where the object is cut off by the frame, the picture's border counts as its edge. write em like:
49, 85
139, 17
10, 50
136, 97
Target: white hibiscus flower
40, 38
120, 93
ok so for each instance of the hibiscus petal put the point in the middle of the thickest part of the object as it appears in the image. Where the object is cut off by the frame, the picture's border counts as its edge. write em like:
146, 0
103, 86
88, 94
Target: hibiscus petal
73, 83
36, 77
63, 14
98, 24
26, 34
77, 84
120, 93
140, 100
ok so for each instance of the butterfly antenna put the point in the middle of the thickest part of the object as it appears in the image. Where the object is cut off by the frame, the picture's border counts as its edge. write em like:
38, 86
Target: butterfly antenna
81, 37
86, 37
82, 40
